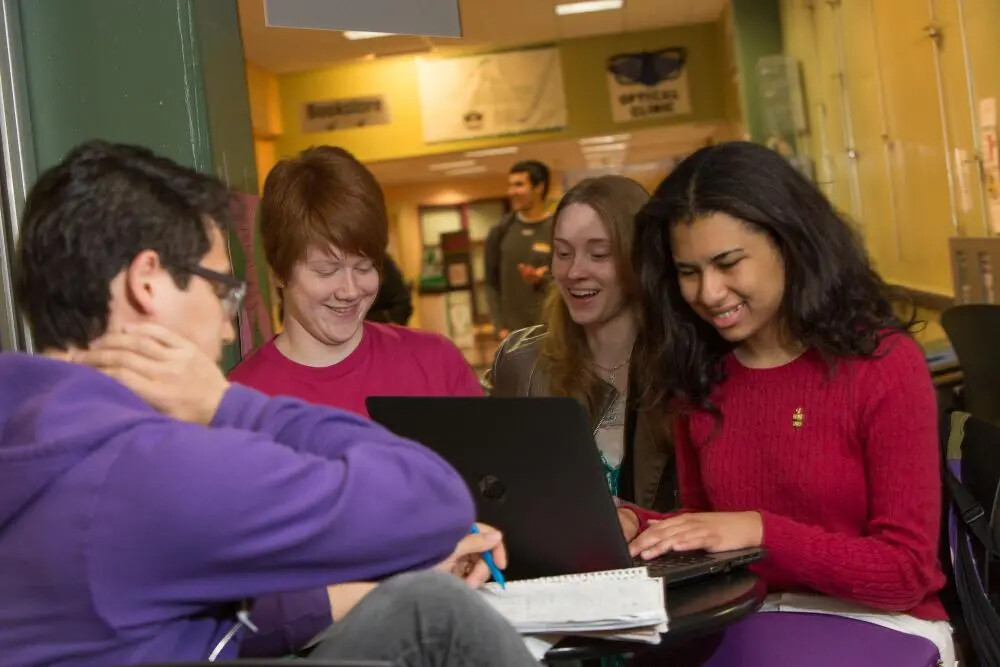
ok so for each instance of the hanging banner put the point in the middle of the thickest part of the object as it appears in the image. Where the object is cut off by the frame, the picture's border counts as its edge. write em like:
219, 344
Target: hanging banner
648, 84
491, 95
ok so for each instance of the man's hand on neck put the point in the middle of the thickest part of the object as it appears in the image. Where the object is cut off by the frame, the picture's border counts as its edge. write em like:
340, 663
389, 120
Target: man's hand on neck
168, 371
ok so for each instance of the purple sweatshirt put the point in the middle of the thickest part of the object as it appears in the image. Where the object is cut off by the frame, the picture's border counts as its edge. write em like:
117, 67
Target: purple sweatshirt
125, 535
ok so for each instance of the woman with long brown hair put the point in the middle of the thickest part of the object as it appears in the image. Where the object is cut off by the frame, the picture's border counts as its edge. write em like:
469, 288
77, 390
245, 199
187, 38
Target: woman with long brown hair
583, 349
804, 415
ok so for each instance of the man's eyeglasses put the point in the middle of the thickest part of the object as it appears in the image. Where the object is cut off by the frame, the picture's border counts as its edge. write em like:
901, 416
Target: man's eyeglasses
230, 289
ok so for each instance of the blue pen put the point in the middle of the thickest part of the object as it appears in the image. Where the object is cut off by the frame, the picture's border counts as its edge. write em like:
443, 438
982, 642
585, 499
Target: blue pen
488, 557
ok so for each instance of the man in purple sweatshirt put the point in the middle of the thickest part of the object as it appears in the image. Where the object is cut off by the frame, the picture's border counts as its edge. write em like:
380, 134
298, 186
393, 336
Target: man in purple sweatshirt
145, 503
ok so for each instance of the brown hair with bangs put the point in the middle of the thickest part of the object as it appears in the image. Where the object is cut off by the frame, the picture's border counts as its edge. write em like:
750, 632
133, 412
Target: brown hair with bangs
322, 197
565, 354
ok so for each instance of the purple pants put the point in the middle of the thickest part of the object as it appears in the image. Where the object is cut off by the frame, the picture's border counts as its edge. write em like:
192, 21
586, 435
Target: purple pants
794, 639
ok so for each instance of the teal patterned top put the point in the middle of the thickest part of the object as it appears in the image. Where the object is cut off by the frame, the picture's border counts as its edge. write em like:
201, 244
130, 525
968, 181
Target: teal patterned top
610, 438
611, 473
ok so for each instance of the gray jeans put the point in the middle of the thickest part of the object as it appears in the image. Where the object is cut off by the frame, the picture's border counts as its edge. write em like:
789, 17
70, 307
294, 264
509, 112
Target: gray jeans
423, 619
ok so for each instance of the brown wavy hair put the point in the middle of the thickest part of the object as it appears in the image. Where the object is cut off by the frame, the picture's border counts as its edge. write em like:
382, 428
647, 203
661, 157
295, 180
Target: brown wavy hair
565, 355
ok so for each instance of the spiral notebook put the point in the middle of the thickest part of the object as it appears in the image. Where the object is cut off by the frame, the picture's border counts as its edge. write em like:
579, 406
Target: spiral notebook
615, 604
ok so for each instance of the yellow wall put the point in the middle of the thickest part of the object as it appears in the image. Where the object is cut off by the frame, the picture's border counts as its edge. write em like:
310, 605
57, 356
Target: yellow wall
265, 117
583, 62
869, 74
932, 325
729, 71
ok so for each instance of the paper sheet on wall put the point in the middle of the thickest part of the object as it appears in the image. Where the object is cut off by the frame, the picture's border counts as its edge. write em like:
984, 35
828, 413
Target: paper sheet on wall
491, 95
991, 159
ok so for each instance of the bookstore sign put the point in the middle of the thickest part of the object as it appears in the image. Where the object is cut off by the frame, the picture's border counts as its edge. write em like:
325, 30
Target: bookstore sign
340, 114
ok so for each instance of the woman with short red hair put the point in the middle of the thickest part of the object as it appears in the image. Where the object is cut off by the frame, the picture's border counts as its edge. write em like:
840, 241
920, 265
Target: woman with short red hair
325, 230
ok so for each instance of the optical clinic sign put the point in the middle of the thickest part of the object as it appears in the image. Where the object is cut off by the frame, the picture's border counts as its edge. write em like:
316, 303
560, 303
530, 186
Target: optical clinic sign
648, 84
329, 115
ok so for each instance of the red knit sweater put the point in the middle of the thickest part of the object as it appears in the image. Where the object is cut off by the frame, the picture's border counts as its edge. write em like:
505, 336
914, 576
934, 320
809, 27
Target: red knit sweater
843, 470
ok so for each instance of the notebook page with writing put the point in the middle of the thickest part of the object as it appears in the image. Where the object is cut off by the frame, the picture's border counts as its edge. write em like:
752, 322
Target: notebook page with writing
595, 602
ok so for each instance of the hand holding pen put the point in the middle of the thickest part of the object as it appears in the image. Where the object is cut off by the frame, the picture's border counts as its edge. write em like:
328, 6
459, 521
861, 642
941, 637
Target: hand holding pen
490, 563
477, 556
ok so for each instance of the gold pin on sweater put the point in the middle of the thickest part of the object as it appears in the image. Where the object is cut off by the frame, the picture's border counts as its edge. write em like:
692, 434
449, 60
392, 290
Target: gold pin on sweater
798, 418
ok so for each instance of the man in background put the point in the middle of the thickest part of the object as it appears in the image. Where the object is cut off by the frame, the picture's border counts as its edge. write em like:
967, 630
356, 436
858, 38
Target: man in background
518, 250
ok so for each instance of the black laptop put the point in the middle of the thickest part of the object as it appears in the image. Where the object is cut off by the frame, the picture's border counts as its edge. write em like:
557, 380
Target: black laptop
535, 472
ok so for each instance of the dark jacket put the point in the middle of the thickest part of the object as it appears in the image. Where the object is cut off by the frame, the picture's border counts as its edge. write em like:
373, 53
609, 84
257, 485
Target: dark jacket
393, 303
491, 250
648, 472
492, 257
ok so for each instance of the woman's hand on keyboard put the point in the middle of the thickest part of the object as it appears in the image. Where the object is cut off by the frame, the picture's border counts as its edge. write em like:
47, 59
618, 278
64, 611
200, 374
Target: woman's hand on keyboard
630, 523
711, 531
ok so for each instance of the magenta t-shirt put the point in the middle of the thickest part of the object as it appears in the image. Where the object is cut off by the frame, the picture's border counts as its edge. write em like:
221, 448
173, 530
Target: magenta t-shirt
389, 361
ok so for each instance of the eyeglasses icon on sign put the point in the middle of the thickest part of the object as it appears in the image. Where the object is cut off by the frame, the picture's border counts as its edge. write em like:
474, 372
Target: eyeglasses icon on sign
647, 67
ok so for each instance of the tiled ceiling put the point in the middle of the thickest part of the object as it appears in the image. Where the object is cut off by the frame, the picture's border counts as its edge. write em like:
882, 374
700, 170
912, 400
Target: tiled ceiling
485, 24
649, 150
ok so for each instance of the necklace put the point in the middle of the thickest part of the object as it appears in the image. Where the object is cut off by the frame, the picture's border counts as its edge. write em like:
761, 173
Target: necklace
613, 371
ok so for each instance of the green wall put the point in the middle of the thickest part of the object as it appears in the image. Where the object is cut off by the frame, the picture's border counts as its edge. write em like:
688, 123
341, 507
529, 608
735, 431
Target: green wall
228, 106
115, 69
166, 74
757, 28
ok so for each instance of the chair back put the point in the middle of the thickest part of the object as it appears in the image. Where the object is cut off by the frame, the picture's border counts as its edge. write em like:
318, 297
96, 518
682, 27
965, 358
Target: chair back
972, 534
974, 332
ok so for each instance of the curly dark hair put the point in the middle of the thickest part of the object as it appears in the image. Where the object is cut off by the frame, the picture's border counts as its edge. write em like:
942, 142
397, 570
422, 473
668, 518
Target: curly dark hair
834, 301
87, 217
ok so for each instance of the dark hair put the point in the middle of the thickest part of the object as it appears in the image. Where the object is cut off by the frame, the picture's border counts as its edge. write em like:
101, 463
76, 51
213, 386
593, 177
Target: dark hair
324, 196
89, 216
833, 301
536, 171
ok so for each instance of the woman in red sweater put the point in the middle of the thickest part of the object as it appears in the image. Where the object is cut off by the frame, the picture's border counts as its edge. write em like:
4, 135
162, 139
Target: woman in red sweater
804, 413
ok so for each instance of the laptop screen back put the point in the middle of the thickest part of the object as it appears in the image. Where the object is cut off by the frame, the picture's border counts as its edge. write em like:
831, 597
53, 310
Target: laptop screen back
533, 468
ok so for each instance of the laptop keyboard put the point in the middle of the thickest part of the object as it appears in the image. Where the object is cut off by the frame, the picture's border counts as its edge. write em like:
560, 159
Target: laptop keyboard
673, 560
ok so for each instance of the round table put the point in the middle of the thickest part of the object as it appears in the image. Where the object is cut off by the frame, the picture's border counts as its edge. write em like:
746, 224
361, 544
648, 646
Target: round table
693, 609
